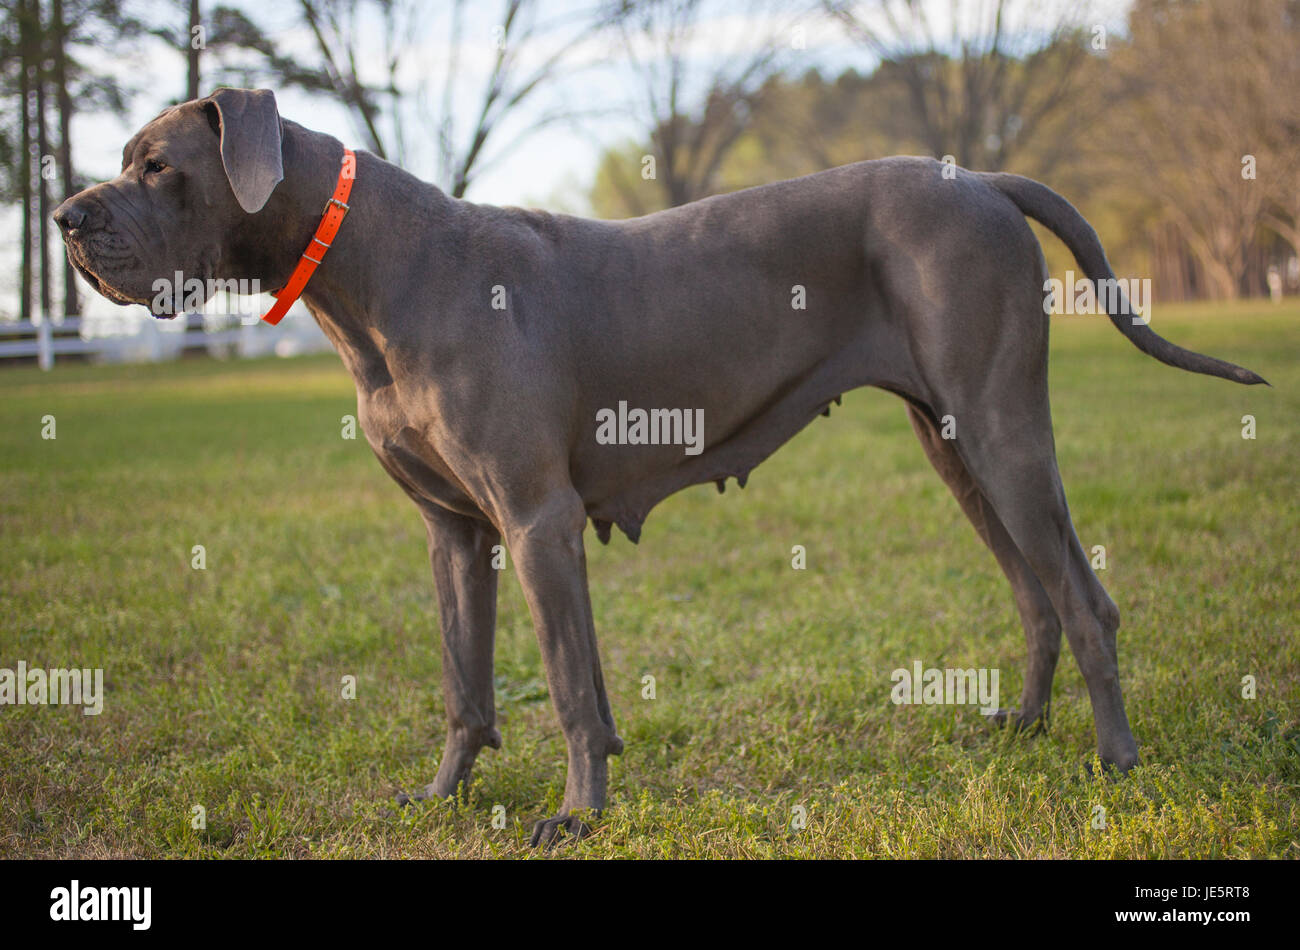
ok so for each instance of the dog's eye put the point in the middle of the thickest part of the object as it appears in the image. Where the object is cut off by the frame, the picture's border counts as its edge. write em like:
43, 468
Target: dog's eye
153, 166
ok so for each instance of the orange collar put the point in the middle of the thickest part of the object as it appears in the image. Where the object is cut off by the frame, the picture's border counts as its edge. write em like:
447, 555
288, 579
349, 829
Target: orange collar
336, 209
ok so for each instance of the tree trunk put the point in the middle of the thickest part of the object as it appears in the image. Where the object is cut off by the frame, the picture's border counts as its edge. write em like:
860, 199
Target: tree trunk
25, 153
63, 100
1221, 277
42, 182
192, 55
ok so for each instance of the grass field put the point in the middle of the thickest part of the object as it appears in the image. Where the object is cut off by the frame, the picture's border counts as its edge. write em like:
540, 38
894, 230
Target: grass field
223, 686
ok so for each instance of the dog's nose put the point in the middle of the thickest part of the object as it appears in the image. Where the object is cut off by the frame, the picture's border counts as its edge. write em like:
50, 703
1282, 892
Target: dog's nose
69, 216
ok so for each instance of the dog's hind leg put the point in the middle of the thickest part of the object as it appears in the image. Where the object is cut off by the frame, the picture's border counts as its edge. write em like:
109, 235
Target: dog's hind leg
1042, 626
460, 550
1004, 435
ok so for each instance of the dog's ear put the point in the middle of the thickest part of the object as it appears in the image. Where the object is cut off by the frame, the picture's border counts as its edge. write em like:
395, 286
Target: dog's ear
249, 125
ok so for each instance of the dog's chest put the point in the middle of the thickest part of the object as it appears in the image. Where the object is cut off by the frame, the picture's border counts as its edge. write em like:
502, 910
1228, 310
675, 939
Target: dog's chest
407, 452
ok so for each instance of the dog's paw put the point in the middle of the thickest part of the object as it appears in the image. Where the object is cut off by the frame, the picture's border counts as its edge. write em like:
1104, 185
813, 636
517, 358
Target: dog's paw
1112, 771
550, 832
1016, 721
425, 794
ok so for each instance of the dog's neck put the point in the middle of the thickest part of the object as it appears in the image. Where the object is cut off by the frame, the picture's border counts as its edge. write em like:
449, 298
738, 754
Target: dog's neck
348, 298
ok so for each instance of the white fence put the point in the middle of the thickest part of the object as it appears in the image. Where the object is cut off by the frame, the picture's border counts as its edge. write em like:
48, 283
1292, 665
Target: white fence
130, 339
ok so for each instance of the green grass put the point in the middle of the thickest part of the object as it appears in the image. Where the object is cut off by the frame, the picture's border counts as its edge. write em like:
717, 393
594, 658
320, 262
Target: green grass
223, 686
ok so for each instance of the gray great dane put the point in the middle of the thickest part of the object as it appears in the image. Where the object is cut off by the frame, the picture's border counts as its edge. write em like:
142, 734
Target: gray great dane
486, 344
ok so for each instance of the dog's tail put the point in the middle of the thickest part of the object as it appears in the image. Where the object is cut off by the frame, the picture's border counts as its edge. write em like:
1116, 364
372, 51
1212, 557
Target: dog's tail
1064, 220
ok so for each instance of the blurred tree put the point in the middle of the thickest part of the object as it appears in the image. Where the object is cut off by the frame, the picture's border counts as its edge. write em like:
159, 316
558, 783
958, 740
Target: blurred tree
336, 26
224, 44
366, 52
63, 101
40, 74
28, 29
808, 124
1280, 173
521, 34
981, 81
1009, 97
192, 63
1211, 129
695, 114
528, 53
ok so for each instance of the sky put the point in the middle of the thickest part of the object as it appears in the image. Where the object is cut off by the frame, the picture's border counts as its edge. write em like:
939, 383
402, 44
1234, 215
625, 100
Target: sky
553, 168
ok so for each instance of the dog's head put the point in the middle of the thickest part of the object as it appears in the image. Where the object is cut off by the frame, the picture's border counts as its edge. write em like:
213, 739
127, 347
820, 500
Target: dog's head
190, 181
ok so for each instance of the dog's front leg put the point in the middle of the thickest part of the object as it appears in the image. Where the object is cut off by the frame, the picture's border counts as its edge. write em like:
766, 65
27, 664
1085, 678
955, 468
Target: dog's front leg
460, 549
549, 557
